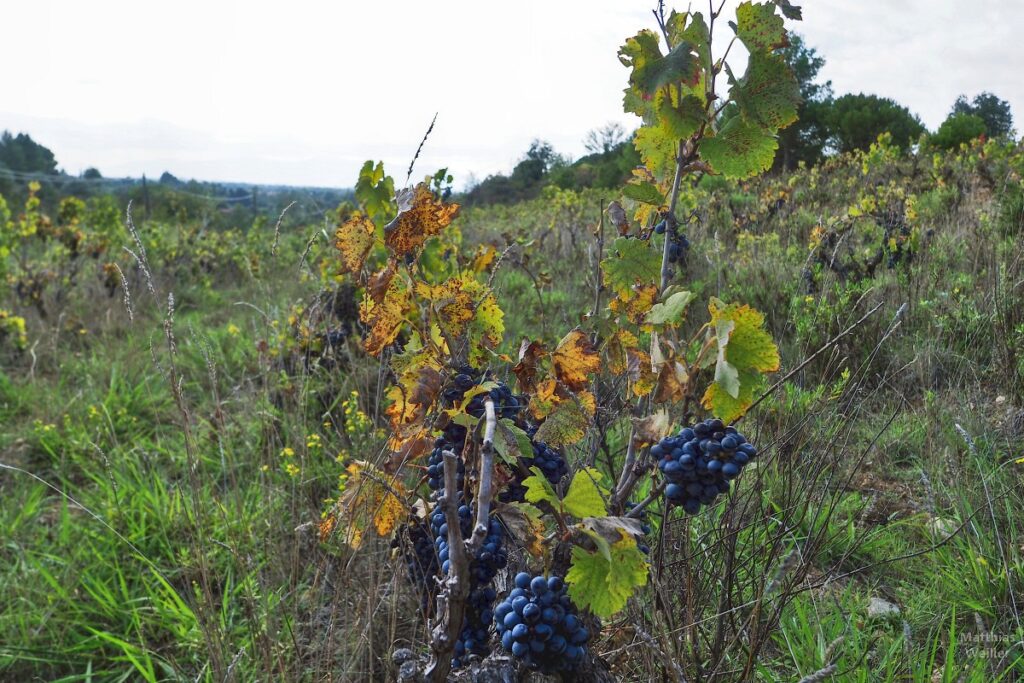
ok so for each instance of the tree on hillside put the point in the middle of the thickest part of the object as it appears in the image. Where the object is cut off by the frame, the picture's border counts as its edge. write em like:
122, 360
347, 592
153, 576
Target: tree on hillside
604, 139
856, 121
994, 112
958, 129
92, 173
23, 154
806, 139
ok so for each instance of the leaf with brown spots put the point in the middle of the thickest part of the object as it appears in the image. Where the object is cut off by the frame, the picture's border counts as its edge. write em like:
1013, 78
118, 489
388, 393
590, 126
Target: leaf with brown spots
575, 360
372, 498
354, 239
637, 304
385, 317
422, 216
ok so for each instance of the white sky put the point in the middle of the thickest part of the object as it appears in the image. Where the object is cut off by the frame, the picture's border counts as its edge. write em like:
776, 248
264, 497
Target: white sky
302, 92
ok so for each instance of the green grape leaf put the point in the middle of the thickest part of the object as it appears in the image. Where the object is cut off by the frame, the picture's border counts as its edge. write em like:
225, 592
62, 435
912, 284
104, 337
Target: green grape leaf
651, 70
672, 310
511, 441
630, 262
739, 150
748, 352
538, 489
768, 92
692, 29
584, 498
645, 193
759, 28
657, 148
681, 118
604, 584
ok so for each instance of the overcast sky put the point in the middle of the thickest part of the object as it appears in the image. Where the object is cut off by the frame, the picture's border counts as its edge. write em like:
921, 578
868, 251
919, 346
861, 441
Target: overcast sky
301, 92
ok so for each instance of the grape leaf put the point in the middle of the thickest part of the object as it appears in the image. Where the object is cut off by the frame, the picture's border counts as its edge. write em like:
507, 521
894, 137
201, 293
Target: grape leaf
748, 352
646, 193
759, 27
637, 304
683, 117
740, 149
651, 70
369, 499
768, 93
584, 498
566, 424
451, 301
672, 310
539, 489
690, 27
487, 328
374, 190
630, 262
726, 373
354, 239
385, 317
422, 216
575, 360
657, 148
604, 585
512, 441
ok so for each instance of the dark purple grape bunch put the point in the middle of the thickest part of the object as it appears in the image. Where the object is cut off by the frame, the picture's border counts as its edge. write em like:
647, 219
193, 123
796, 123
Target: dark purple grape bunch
435, 465
537, 624
546, 459
701, 461
506, 404
678, 245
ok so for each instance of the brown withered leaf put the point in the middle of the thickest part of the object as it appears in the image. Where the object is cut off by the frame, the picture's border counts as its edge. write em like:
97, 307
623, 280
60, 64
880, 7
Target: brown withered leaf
354, 239
378, 284
422, 216
575, 360
530, 354
671, 383
653, 428
618, 217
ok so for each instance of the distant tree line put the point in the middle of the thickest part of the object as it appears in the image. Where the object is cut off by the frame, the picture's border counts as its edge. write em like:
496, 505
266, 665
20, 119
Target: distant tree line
827, 125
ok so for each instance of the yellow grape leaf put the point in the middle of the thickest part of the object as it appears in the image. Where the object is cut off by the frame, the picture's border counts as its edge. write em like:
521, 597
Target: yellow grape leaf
617, 349
545, 399
604, 583
575, 360
414, 395
385, 317
354, 239
566, 424
422, 216
370, 500
637, 304
451, 301
747, 353
487, 328
483, 258
584, 497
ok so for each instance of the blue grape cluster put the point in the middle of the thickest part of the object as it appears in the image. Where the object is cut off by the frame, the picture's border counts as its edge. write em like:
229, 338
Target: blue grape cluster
537, 624
484, 566
678, 245
506, 404
435, 465
701, 461
546, 459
